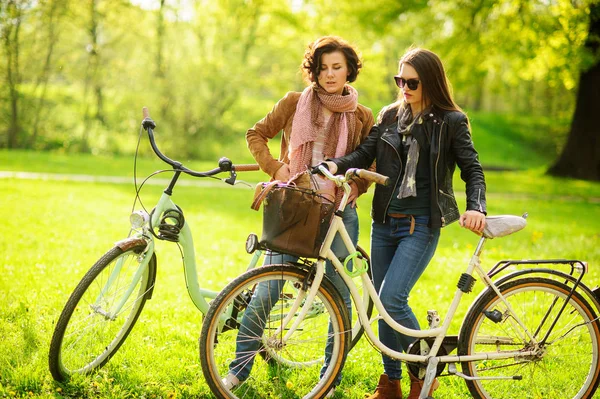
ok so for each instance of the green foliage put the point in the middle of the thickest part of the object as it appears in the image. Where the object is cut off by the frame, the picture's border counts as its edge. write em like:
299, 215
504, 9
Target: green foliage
208, 70
503, 141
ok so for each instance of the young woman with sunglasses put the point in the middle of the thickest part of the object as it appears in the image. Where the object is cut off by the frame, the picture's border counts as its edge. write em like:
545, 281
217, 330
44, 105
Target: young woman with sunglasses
323, 121
417, 142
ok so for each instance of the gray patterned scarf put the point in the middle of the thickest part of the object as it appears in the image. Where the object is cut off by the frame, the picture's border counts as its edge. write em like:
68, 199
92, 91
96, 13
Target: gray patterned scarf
408, 187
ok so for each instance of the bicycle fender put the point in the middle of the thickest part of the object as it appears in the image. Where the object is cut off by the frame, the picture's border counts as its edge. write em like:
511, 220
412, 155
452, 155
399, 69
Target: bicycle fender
129, 243
133, 242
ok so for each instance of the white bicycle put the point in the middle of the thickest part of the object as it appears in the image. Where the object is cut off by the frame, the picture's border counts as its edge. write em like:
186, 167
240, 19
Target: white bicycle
529, 334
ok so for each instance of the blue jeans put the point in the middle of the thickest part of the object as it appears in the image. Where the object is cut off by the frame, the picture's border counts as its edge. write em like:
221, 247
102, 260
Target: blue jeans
253, 321
399, 258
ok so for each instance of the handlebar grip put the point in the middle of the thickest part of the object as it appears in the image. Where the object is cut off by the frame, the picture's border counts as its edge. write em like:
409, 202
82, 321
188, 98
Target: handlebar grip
373, 176
145, 112
246, 168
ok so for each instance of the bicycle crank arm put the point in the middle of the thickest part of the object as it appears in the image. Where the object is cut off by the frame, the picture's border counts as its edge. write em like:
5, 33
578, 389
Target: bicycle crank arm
452, 370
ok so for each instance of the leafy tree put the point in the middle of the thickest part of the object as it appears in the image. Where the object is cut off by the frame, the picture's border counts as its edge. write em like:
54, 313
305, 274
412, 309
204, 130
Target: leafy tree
581, 155
518, 56
76, 73
12, 14
51, 12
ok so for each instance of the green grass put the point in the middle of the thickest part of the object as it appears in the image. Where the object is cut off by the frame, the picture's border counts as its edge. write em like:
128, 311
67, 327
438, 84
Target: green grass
517, 141
97, 165
53, 231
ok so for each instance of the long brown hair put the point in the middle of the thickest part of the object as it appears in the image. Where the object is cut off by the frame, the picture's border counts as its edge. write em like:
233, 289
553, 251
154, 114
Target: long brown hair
433, 80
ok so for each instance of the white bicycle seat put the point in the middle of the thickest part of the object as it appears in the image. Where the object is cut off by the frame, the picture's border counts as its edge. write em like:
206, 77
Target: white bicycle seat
503, 225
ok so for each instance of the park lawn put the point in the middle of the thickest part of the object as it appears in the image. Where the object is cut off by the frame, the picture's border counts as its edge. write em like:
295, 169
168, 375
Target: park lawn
517, 141
55, 230
95, 165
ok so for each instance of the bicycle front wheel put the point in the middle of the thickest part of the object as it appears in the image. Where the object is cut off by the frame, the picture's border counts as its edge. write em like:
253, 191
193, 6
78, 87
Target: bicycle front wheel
564, 363
247, 317
101, 312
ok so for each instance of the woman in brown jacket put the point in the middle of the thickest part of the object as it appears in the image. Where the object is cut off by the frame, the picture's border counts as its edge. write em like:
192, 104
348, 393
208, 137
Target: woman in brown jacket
323, 121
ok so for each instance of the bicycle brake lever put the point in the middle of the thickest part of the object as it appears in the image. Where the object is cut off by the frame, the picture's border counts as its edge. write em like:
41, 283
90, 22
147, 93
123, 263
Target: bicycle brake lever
243, 183
231, 178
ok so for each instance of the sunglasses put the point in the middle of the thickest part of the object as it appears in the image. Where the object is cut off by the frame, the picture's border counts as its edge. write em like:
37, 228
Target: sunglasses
411, 83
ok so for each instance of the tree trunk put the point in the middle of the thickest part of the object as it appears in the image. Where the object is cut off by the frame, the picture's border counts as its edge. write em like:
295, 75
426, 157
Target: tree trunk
160, 73
477, 93
581, 156
11, 44
160, 33
91, 76
54, 12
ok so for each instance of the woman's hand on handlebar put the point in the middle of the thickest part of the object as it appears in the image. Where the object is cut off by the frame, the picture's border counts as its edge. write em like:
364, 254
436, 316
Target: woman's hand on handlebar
328, 165
331, 166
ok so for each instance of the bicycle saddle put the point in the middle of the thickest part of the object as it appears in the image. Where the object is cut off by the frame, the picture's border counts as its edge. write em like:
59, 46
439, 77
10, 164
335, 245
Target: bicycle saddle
503, 225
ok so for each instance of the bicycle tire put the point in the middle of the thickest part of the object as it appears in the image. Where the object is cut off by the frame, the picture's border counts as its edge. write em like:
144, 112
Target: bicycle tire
86, 334
567, 366
296, 373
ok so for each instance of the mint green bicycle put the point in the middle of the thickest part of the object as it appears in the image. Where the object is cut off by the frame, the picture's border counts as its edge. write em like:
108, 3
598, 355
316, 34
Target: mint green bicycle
106, 304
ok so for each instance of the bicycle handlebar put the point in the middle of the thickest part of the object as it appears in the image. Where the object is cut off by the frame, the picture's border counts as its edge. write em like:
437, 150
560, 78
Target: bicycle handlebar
225, 165
246, 167
371, 176
350, 173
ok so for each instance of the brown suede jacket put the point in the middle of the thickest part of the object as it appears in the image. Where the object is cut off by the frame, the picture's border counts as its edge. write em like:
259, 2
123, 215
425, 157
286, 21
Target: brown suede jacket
280, 118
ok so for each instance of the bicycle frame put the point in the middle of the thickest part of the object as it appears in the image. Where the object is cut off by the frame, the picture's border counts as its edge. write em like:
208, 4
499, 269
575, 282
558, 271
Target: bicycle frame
197, 294
439, 333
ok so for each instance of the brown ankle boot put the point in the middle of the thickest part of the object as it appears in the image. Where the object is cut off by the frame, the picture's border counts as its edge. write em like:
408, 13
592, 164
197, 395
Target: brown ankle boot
416, 385
387, 389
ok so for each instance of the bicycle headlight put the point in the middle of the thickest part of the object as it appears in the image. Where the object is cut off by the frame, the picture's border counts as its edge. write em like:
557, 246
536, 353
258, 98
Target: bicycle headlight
251, 243
138, 219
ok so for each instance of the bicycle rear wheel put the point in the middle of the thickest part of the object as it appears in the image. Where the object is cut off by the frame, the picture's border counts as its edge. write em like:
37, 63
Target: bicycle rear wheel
101, 312
296, 371
565, 365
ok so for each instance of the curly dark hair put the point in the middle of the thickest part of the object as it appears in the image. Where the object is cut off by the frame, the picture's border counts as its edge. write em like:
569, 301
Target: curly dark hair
328, 44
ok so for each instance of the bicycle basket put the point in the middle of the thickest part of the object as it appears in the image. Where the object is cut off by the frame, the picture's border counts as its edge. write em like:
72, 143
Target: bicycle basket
295, 220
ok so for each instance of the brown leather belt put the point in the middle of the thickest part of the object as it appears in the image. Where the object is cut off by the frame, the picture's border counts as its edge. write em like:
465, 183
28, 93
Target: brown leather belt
402, 216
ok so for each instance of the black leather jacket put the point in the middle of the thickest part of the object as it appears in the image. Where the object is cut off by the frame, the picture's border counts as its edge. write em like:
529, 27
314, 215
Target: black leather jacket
449, 139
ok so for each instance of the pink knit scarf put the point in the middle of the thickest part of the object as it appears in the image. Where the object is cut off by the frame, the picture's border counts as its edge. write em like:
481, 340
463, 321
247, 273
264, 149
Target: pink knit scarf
308, 120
